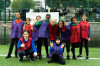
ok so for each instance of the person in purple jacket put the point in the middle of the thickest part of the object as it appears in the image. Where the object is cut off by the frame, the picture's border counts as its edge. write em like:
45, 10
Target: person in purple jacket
43, 34
56, 51
65, 36
16, 33
35, 31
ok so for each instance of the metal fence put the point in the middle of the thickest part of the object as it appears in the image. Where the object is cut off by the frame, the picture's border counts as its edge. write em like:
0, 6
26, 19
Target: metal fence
66, 9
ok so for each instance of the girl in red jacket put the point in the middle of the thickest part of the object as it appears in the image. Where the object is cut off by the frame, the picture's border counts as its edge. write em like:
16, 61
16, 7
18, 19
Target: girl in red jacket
28, 27
85, 35
75, 35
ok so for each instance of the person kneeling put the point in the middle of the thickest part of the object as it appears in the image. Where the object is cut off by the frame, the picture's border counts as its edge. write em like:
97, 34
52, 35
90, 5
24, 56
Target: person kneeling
26, 46
56, 50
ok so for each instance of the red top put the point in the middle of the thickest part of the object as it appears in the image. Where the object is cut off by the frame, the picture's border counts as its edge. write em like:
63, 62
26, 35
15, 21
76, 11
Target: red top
75, 34
84, 29
27, 44
53, 31
28, 27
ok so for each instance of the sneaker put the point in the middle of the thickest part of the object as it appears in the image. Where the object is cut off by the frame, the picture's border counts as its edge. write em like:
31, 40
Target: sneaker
74, 58
79, 56
20, 59
87, 58
40, 57
7, 57
68, 57
49, 61
16, 56
47, 56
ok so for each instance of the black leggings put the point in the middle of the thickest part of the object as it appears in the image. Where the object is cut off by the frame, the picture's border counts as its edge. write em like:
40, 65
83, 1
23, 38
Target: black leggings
57, 58
39, 45
67, 45
14, 40
74, 45
86, 46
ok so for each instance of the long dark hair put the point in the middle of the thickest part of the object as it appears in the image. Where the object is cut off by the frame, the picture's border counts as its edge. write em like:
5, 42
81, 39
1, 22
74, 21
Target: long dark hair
61, 21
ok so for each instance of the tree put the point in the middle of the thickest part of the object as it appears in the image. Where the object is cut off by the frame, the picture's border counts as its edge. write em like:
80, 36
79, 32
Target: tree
2, 4
21, 4
72, 3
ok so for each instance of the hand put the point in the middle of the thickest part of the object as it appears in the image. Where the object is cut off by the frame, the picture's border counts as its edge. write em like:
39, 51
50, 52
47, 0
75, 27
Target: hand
22, 45
31, 28
63, 44
4, 25
66, 23
33, 24
88, 39
40, 20
24, 27
35, 54
51, 44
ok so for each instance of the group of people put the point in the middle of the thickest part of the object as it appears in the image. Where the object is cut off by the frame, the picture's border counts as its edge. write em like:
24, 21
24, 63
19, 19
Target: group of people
26, 36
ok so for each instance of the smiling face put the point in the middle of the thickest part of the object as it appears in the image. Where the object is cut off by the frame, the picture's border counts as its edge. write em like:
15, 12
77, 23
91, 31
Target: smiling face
28, 21
17, 15
74, 20
38, 18
25, 34
47, 18
53, 22
57, 41
84, 17
60, 24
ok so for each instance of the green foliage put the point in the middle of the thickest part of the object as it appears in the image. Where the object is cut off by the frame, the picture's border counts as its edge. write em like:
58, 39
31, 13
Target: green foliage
21, 4
73, 3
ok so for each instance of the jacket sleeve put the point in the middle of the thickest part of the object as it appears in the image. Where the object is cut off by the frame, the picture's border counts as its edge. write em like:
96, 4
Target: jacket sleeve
18, 45
38, 23
33, 46
51, 49
89, 32
60, 51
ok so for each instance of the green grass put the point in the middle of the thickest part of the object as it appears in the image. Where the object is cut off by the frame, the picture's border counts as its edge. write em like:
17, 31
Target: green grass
93, 53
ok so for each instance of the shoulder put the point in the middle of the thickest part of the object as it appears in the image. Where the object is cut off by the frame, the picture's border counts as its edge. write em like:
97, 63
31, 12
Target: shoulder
13, 21
30, 38
21, 39
22, 21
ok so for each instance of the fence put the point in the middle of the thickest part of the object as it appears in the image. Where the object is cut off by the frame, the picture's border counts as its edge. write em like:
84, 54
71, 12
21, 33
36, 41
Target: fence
66, 9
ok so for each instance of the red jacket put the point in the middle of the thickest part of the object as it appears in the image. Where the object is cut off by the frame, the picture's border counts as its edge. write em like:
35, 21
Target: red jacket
75, 34
84, 29
27, 45
53, 31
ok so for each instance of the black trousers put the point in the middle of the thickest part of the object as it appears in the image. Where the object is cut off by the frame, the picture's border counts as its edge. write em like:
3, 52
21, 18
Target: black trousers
22, 53
13, 41
57, 58
85, 42
39, 45
67, 42
74, 45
